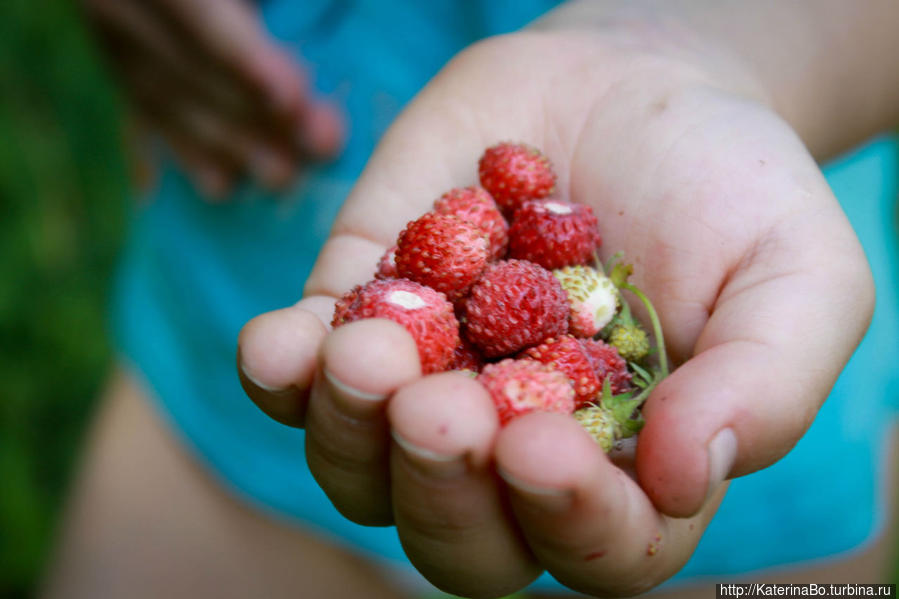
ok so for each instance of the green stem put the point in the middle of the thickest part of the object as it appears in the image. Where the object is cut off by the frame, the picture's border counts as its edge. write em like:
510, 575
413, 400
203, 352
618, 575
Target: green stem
656, 327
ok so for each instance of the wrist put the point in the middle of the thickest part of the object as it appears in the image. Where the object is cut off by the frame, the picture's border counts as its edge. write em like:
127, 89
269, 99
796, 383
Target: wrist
813, 62
670, 40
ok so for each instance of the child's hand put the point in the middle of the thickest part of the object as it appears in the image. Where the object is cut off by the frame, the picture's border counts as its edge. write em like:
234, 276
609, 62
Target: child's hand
209, 79
761, 285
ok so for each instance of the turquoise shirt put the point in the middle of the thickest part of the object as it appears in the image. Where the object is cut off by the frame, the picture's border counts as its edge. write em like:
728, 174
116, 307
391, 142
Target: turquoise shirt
194, 273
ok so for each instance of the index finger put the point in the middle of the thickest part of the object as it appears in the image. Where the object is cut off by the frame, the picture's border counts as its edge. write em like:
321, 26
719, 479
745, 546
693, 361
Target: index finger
277, 356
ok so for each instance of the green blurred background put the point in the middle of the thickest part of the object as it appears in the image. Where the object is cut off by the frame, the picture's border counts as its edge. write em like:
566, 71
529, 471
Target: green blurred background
63, 185
63, 203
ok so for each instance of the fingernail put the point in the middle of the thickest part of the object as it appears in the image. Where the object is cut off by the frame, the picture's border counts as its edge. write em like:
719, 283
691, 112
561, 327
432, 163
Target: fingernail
542, 498
722, 453
431, 463
351, 392
252, 378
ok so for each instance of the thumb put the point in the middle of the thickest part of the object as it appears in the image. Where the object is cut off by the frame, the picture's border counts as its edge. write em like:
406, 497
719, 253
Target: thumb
781, 330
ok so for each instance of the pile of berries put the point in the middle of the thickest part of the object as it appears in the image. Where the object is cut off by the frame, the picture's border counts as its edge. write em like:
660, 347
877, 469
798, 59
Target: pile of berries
503, 280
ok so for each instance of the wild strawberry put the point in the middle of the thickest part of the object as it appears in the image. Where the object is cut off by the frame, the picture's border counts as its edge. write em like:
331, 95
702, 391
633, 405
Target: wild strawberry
467, 357
566, 355
615, 414
553, 234
514, 173
443, 252
424, 312
592, 297
608, 364
611, 418
600, 424
522, 386
343, 305
630, 340
387, 265
474, 204
515, 304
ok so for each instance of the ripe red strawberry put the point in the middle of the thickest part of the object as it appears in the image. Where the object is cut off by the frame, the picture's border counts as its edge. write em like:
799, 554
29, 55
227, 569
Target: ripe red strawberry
443, 252
515, 304
424, 312
608, 364
467, 357
522, 386
592, 297
553, 234
343, 305
514, 173
474, 204
566, 355
387, 265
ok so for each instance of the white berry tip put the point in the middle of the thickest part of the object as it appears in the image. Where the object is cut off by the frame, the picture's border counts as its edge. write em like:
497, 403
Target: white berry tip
406, 299
558, 208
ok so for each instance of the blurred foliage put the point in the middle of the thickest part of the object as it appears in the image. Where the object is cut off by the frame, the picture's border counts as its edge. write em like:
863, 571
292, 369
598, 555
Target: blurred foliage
62, 210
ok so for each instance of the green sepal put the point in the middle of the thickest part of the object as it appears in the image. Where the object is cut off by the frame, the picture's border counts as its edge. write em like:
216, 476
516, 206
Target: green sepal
620, 273
623, 408
611, 262
633, 425
644, 378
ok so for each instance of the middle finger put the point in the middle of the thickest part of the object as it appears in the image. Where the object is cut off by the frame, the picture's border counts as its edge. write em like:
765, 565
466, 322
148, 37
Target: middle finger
347, 435
450, 512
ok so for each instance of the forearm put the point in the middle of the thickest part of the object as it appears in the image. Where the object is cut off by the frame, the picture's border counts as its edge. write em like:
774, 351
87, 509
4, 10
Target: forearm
829, 67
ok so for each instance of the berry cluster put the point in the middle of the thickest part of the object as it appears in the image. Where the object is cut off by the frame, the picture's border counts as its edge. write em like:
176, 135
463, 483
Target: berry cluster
503, 280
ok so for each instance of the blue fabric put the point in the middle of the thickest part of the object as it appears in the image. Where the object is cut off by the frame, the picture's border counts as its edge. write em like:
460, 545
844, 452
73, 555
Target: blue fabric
193, 274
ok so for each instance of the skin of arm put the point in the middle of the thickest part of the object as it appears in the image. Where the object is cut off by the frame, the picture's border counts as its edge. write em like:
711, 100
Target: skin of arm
829, 68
